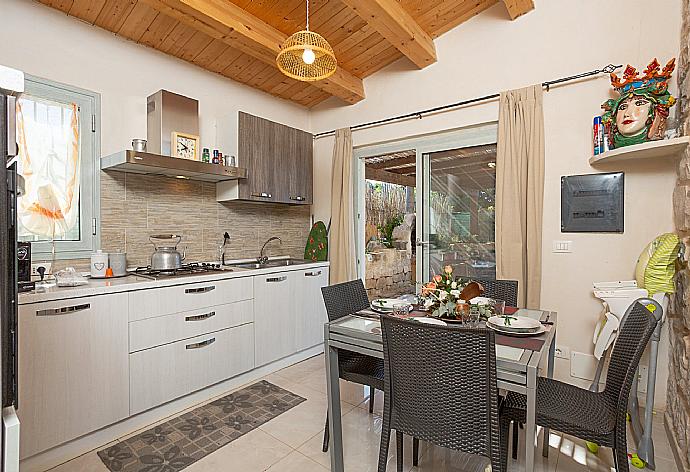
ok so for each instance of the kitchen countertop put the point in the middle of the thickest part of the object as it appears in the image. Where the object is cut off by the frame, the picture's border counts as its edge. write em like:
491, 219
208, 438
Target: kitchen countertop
133, 282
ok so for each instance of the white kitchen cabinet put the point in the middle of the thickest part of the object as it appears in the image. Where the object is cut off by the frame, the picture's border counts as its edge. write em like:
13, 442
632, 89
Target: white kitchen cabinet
309, 309
274, 320
152, 332
166, 372
178, 298
73, 369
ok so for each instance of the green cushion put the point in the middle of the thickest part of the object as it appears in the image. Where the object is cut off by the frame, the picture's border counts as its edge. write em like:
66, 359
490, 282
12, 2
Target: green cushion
317, 243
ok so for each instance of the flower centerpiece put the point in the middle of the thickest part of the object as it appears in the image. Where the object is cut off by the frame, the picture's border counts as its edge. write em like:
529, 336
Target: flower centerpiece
448, 296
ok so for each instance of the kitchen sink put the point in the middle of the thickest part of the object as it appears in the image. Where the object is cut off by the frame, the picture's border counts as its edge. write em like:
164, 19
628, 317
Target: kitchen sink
272, 263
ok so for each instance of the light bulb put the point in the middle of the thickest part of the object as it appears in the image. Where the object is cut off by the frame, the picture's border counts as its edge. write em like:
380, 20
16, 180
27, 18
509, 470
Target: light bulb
308, 56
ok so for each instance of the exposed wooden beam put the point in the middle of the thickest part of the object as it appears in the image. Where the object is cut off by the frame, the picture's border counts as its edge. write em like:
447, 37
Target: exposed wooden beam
237, 28
395, 24
518, 8
390, 177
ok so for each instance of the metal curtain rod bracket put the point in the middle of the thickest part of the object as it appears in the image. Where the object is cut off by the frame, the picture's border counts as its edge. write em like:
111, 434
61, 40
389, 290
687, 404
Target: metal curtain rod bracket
420, 114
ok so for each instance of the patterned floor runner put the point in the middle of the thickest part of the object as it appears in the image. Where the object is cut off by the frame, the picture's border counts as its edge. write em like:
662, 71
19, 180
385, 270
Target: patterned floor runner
181, 441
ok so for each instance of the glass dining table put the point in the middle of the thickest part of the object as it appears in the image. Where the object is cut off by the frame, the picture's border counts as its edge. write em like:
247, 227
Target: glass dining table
518, 362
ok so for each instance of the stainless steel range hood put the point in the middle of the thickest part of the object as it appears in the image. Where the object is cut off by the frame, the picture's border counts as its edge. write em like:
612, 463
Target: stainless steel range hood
168, 112
147, 163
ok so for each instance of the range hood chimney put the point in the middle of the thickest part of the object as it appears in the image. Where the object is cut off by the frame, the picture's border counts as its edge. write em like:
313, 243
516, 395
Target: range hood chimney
167, 112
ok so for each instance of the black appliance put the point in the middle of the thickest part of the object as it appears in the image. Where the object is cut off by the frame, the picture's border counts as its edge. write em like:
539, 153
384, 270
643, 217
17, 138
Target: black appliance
11, 84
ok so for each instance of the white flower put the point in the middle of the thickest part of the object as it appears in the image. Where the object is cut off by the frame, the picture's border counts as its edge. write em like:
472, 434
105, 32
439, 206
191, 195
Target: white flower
453, 285
455, 293
442, 295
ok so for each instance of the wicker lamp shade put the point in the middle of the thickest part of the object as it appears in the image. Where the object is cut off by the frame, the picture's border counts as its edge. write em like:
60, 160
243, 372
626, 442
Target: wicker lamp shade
307, 56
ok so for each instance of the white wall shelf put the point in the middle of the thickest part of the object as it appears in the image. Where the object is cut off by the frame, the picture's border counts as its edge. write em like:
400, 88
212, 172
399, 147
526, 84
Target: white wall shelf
650, 150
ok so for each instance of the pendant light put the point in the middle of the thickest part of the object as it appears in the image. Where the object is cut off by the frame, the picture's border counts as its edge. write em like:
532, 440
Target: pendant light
306, 56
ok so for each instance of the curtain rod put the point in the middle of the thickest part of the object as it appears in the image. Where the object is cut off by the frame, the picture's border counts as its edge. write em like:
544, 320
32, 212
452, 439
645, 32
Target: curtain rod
419, 114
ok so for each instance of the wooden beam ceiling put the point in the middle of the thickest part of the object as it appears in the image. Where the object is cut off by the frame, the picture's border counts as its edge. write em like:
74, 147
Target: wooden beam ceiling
518, 8
239, 39
395, 24
227, 22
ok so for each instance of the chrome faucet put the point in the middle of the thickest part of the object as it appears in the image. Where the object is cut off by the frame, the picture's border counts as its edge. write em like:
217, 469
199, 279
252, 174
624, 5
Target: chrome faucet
263, 259
221, 249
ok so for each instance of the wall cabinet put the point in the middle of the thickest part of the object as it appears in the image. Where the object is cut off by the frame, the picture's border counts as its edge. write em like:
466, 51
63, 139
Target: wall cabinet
73, 369
279, 162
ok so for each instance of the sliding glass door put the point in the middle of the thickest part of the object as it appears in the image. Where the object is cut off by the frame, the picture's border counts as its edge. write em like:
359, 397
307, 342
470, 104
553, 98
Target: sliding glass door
423, 203
458, 208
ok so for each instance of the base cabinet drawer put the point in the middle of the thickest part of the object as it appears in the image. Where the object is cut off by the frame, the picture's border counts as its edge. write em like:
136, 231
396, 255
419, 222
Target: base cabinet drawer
164, 373
152, 332
73, 369
179, 298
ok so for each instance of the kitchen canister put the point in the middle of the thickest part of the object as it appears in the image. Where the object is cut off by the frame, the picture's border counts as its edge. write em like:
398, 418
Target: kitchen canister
118, 262
139, 145
99, 264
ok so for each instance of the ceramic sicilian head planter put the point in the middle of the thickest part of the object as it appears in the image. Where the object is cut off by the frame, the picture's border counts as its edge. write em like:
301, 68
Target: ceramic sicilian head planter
639, 114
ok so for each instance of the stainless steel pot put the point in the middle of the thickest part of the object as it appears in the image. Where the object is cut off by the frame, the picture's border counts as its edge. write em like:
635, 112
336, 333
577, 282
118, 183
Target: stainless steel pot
165, 255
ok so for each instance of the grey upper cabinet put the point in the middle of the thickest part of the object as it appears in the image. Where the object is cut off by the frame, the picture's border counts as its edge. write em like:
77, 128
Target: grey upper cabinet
278, 159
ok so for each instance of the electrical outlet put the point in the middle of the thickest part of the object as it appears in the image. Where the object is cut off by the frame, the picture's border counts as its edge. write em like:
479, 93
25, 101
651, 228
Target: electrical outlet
36, 265
562, 352
562, 247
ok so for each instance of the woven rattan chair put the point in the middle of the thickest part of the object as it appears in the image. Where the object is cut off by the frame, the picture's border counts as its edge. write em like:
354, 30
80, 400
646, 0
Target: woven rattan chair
342, 300
440, 386
598, 417
506, 290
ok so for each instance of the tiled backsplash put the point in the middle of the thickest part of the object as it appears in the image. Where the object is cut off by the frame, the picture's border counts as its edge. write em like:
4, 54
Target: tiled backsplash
134, 206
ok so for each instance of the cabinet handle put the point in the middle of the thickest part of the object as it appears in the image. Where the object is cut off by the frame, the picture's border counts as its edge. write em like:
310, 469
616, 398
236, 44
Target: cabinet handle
64, 310
262, 195
299, 198
312, 274
201, 344
277, 279
205, 316
200, 289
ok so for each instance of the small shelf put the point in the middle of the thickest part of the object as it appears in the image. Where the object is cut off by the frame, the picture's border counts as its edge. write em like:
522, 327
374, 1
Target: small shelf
148, 163
650, 150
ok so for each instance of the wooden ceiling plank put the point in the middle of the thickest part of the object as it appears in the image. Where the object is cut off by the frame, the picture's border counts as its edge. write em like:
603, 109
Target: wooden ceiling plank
210, 53
395, 24
158, 31
517, 8
448, 19
87, 10
177, 38
114, 14
62, 5
194, 46
138, 21
237, 28
224, 60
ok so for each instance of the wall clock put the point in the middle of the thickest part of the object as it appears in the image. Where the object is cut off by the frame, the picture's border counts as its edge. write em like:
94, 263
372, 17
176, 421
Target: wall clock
185, 146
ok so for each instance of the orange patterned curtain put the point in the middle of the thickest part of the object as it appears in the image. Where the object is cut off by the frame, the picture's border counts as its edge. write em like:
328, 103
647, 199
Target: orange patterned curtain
49, 161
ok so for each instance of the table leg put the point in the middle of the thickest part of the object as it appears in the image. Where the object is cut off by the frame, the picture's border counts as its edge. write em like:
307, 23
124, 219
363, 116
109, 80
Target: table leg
530, 426
549, 373
334, 413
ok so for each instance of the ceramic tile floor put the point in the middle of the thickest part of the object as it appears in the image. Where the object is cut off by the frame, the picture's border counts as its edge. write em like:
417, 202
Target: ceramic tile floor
292, 441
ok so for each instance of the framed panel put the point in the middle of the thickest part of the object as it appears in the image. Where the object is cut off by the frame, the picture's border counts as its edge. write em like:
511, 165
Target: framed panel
592, 203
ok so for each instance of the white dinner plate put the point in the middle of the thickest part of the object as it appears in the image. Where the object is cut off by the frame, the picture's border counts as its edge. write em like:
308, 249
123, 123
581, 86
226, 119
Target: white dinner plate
517, 323
539, 331
386, 304
481, 301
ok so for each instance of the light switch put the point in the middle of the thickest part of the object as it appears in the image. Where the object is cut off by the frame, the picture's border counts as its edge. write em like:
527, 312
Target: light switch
562, 247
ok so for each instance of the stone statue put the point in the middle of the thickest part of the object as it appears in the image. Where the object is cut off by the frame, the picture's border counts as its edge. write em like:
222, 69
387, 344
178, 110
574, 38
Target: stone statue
639, 114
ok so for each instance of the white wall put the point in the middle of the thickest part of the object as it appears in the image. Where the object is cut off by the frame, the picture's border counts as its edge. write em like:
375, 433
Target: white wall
489, 54
46, 43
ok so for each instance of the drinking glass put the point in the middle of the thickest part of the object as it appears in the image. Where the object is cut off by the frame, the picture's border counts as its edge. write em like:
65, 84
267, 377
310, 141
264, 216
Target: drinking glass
402, 309
499, 307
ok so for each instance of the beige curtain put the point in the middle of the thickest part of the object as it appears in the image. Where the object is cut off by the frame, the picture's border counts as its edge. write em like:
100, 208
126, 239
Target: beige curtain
342, 235
520, 191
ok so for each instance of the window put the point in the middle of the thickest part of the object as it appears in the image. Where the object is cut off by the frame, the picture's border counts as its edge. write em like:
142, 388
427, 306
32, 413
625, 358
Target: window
59, 163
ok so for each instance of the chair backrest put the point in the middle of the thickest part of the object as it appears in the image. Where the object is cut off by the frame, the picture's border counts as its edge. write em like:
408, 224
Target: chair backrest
506, 290
636, 329
344, 299
440, 385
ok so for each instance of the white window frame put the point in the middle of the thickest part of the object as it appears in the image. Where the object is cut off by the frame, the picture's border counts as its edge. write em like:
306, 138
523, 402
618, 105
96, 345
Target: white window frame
90, 182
